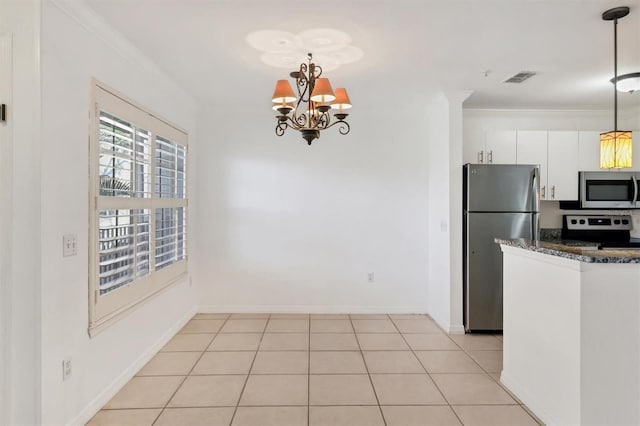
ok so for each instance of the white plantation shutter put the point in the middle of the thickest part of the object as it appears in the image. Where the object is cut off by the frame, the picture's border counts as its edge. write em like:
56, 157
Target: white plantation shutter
138, 219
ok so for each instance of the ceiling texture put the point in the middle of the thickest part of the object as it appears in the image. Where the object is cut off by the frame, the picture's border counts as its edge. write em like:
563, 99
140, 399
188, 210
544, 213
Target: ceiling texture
411, 48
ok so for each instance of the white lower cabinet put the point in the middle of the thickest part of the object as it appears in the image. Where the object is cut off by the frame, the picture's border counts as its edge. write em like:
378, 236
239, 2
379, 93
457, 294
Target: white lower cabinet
556, 154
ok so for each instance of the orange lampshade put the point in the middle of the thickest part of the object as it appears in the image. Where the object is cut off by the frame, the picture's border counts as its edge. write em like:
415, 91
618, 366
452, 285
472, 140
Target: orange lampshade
342, 100
283, 93
322, 91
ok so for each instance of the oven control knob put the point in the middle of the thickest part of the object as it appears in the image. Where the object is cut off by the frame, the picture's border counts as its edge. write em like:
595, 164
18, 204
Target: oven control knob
625, 221
573, 221
617, 222
582, 222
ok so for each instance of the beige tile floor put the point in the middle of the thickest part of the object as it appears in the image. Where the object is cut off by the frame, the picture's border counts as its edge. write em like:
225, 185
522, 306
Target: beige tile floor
333, 370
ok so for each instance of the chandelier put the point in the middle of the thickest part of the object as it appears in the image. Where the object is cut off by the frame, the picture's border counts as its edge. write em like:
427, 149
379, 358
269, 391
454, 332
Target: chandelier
308, 112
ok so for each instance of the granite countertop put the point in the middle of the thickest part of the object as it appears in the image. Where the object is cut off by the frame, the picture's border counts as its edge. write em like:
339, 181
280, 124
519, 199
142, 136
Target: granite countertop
576, 251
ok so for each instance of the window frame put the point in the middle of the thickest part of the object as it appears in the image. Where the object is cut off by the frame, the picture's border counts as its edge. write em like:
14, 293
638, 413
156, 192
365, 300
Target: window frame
110, 307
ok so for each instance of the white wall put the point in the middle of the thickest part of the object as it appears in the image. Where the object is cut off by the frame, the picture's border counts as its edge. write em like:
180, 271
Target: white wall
288, 227
438, 136
444, 116
20, 211
76, 47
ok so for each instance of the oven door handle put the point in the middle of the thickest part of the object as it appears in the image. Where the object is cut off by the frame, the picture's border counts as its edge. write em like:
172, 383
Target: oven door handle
635, 191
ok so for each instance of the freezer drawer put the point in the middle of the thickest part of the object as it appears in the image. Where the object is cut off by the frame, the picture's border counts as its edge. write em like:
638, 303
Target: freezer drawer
483, 264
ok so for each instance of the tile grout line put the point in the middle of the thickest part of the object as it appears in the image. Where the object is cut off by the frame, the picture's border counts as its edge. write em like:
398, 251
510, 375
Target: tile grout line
367, 368
194, 366
246, 380
465, 351
427, 371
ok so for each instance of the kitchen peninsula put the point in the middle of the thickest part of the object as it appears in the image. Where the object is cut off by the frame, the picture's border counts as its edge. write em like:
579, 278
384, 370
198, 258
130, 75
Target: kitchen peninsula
572, 332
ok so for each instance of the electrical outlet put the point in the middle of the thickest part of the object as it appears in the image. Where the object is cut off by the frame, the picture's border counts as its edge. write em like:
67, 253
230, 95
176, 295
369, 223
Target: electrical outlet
69, 245
66, 368
371, 277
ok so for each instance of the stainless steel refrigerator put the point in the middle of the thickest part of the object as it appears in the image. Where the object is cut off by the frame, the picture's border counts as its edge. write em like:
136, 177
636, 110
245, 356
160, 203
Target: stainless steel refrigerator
499, 201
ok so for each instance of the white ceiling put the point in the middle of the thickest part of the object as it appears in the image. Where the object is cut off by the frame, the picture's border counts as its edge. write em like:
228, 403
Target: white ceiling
411, 47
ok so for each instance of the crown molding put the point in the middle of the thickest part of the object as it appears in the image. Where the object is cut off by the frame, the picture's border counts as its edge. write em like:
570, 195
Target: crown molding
86, 17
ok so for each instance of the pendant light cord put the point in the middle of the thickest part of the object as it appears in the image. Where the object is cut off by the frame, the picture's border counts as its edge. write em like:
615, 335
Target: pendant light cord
615, 75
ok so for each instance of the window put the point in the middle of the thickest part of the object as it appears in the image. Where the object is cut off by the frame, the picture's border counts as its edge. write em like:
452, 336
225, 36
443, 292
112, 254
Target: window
138, 242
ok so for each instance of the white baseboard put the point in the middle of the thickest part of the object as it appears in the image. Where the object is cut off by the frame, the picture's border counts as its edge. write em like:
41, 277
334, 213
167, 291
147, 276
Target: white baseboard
312, 309
529, 400
456, 329
118, 383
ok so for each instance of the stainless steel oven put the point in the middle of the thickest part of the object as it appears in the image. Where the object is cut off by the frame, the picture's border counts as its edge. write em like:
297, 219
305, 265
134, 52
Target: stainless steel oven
609, 190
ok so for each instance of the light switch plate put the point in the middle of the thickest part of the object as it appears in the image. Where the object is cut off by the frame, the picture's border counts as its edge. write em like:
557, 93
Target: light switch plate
69, 245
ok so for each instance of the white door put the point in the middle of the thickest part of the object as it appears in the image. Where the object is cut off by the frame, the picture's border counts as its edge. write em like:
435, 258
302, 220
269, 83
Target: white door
589, 151
562, 162
5, 240
532, 149
501, 147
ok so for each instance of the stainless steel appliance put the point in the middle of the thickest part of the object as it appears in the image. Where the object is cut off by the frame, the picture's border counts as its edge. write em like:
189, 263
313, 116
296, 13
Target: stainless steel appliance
499, 201
609, 190
611, 232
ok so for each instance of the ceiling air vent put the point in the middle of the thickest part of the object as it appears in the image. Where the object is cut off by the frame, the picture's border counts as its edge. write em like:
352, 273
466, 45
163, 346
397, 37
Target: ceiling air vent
520, 77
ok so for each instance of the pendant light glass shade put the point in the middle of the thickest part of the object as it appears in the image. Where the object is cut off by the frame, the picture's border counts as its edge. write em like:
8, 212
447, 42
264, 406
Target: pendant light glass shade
616, 150
628, 83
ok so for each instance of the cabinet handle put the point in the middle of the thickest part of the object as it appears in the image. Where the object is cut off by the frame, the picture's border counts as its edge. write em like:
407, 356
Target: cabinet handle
553, 192
480, 156
490, 157
543, 192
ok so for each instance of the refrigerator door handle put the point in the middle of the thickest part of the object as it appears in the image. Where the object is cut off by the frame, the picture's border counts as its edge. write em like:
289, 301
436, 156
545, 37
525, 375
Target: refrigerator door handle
535, 189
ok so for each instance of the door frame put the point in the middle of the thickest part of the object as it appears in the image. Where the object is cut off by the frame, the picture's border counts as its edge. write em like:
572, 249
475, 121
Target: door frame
6, 238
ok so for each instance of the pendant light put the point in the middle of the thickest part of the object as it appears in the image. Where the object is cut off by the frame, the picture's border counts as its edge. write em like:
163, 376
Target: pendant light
615, 146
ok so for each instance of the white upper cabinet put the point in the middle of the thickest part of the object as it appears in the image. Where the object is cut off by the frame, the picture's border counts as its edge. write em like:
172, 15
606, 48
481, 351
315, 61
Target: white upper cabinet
500, 147
495, 147
589, 151
562, 165
556, 152
532, 149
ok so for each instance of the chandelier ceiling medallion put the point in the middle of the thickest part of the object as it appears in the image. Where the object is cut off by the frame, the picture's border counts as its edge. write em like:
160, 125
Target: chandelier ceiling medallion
308, 112
616, 145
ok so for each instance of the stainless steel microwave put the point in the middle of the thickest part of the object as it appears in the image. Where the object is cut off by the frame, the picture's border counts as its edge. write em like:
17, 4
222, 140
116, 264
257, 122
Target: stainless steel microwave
609, 190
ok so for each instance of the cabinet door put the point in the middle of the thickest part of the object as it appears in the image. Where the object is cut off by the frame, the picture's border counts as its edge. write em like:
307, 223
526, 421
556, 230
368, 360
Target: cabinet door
562, 165
532, 149
636, 151
473, 147
589, 151
501, 147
